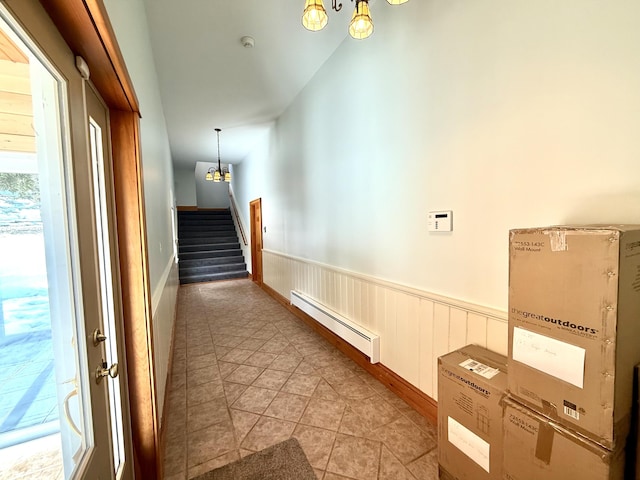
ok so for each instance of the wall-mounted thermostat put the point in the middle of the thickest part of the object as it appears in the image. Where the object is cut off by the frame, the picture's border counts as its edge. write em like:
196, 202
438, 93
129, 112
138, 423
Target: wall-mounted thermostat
440, 221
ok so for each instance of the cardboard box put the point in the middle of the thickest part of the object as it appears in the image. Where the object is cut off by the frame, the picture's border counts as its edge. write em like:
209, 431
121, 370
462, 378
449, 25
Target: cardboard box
471, 384
536, 448
574, 325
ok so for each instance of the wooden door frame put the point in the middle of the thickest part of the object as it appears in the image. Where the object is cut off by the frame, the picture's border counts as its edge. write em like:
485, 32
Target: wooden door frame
255, 208
84, 25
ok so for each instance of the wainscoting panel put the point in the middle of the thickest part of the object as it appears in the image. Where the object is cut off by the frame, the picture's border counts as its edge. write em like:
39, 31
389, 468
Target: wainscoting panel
164, 307
415, 327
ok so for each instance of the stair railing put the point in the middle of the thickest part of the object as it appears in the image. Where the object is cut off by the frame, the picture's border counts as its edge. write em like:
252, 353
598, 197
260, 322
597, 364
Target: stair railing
238, 221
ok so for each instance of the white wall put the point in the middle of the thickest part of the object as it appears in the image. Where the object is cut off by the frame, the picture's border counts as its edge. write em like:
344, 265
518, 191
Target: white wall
185, 187
210, 194
130, 26
511, 114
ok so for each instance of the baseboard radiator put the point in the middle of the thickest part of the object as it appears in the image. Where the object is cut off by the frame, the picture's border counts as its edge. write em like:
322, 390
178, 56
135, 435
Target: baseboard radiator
362, 339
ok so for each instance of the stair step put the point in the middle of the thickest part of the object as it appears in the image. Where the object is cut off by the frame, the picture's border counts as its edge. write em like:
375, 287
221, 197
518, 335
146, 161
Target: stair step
189, 213
207, 269
208, 247
199, 247
210, 261
208, 234
213, 226
203, 241
209, 254
213, 277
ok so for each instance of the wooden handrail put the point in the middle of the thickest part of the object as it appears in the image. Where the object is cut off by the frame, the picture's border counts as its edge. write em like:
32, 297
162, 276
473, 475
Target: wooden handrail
238, 221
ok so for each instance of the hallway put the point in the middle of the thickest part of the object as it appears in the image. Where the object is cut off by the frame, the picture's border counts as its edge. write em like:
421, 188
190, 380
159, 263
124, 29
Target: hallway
248, 374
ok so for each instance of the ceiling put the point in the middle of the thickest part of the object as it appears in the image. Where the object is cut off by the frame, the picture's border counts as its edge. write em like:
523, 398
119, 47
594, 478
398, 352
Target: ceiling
208, 79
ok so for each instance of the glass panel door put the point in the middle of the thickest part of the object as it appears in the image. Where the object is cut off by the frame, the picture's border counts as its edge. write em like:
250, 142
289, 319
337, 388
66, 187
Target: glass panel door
56, 291
99, 152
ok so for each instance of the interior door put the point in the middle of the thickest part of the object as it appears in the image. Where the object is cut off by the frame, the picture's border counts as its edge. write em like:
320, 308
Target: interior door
256, 240
73, 249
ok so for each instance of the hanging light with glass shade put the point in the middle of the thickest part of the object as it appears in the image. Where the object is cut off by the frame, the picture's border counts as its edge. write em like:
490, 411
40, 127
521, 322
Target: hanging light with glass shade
218, 174
315, 18
361, 25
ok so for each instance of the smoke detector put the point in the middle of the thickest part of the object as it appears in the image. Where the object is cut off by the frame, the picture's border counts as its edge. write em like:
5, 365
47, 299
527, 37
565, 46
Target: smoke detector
247, 42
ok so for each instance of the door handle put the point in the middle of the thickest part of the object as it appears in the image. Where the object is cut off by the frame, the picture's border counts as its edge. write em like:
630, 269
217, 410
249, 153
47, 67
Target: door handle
104, 371
98, 337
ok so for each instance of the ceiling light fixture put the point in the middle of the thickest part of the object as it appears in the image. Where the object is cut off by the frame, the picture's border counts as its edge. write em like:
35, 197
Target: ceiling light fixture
218, 174
315, 18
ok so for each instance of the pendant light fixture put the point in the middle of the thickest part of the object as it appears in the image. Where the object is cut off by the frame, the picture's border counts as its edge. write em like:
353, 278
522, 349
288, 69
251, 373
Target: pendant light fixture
315, 18
361, 25
218, 174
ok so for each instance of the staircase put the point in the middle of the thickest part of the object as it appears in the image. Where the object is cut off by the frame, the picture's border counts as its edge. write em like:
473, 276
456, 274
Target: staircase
208, 247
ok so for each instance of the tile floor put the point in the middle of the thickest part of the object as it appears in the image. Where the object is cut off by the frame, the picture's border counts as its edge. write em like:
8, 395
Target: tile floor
248, 374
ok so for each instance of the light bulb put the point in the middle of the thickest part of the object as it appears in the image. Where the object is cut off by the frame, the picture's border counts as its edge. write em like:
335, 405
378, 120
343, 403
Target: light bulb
314, 17
361, 25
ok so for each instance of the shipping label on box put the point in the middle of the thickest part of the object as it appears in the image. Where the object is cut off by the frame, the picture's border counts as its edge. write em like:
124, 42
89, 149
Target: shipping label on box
471, 383
574, 305
536, 448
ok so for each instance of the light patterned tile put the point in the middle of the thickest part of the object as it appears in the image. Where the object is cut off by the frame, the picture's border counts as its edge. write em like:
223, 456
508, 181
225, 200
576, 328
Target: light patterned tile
271, 379
206, 414
353, 388
232, 391
355, 457
323, 413
404, 439
252, 344
260, 359
305, 368
175, 459
267, 432
318, 385
221, 351
316, 443
287, 406
352, 424
218, 462
301, 384
288, 363
334, 476
243, 422
226, 368
422, 422
426, 466
274, 346
202, 375
227, 340
175, 476
197, 350
373, 412
392, 469
254, 400
210, 443
325, 391
237, 355
244, 374
201, 361
204, 393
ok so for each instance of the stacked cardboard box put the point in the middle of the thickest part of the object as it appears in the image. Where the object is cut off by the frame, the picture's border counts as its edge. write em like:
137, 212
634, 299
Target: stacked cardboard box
537, 448
472, 382
574, 325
